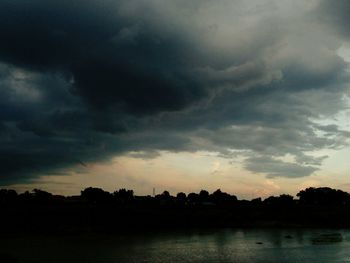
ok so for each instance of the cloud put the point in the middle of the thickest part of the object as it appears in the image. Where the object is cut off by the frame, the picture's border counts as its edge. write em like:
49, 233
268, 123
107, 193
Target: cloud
88, 80
277, 168
335, 15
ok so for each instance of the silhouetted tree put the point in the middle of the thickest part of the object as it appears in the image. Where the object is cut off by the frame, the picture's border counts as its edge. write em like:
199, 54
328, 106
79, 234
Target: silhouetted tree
316, 206
193, 198
221, 198
181, 197
282, 200
8, 196
26, 196
42, 196
204, 196
256, 201
165, 194
92, 194
286, 200
124, 195
323, 196
164, 199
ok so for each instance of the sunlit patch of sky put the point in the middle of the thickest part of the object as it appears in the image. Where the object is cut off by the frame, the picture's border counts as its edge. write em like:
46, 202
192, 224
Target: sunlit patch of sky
187, 172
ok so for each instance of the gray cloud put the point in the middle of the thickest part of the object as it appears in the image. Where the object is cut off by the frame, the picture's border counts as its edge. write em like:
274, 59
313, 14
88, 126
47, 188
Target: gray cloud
86, 81
274, 168
336, 15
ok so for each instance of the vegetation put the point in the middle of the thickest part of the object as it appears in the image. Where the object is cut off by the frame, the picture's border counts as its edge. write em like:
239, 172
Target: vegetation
96, 209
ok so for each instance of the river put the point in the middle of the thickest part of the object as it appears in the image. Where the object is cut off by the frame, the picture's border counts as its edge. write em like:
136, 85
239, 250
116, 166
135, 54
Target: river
222, 245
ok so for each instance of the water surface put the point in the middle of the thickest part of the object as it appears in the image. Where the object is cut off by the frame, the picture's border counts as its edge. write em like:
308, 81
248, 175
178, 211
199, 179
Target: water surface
224, 245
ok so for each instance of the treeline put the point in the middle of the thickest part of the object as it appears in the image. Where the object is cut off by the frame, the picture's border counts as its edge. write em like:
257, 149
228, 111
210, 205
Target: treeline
122, 210
310, 196
122, 196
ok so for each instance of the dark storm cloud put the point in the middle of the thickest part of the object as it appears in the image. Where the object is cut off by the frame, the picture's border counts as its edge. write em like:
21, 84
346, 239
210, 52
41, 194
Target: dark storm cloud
113, 62
85, 81
335, 14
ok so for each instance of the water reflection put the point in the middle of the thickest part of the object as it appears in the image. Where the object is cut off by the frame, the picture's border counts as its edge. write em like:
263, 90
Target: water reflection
187, 246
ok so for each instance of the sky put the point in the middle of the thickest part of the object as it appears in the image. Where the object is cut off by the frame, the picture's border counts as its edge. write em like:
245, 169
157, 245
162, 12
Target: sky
251, 97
